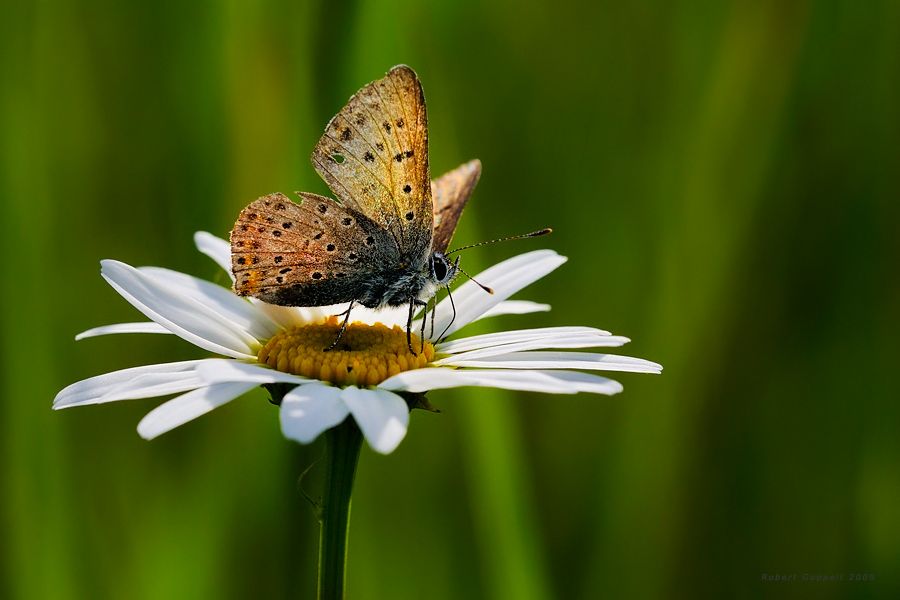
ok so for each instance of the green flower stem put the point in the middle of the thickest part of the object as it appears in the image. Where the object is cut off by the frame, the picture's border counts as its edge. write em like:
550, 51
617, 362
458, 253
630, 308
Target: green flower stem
342, 445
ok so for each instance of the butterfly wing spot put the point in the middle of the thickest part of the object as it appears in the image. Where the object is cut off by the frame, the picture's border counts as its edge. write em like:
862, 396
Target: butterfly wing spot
409, 216
370, 240
380, 147
351, 256
399, 157
285, 270
317, 275
250, 284
322, 209
240, 260
287, 225
318, 236
276, 233
346, 134
399, 123
279, 279
369, 157
387, 126
278, 259
330, 247
407, 189
280, 206
347, 221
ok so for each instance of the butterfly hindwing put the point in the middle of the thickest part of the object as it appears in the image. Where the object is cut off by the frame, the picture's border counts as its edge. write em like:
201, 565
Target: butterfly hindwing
374, 156
312, 254
450, 192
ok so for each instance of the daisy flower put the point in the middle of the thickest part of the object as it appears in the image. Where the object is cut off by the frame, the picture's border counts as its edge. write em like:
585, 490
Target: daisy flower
364, 376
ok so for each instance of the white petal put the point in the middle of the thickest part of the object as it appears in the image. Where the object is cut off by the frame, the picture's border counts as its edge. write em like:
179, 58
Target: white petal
123, 328
387, 316
225, 302
505, 279
90, 391
515, 307
317, 314
221, 370
559, 360
489, 340
183, 316
422, 380
284, 316
586, 382
216, 248
151, 385
382, 416
562, 341
188, 407
309, 410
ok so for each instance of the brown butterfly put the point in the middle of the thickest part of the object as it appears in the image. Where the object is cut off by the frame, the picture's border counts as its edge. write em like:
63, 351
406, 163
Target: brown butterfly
384, 242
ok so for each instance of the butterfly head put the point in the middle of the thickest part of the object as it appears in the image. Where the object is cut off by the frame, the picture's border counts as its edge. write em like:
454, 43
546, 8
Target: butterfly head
442, 270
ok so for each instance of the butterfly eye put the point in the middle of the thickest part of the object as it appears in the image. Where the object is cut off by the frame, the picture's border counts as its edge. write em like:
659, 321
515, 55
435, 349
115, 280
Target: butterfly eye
439, 269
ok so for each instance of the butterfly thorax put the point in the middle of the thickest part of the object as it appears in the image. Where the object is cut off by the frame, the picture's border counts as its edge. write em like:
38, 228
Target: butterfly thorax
397, 286
410, 280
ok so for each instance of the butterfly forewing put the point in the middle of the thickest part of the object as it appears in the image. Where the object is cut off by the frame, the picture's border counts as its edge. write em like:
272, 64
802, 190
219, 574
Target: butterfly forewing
374, 156
450, 192
312, 254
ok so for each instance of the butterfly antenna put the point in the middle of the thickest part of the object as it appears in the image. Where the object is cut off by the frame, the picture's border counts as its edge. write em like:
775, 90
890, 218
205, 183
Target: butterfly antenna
506, 239
484, 287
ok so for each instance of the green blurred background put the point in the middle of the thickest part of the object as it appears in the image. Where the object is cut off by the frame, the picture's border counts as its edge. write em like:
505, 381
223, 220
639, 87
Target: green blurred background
722, 175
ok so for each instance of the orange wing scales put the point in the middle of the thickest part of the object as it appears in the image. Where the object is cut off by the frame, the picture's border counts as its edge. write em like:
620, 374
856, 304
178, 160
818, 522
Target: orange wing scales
277, 243
374, 155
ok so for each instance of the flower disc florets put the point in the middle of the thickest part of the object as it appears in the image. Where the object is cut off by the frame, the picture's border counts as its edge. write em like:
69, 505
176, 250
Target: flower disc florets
365, 356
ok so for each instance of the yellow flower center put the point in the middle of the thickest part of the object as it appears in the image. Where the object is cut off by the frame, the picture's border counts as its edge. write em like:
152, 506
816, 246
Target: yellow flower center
366, 354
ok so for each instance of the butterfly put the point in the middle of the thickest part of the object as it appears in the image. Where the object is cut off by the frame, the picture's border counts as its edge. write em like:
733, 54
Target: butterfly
383, 242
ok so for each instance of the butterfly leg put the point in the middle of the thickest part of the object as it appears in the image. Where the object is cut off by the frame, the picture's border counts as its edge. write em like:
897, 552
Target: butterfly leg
422, 333
413, 303
343, 327
433, 311
453, 318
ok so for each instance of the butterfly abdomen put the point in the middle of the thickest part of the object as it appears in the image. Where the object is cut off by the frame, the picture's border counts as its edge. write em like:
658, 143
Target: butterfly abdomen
376, 290
397, 286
